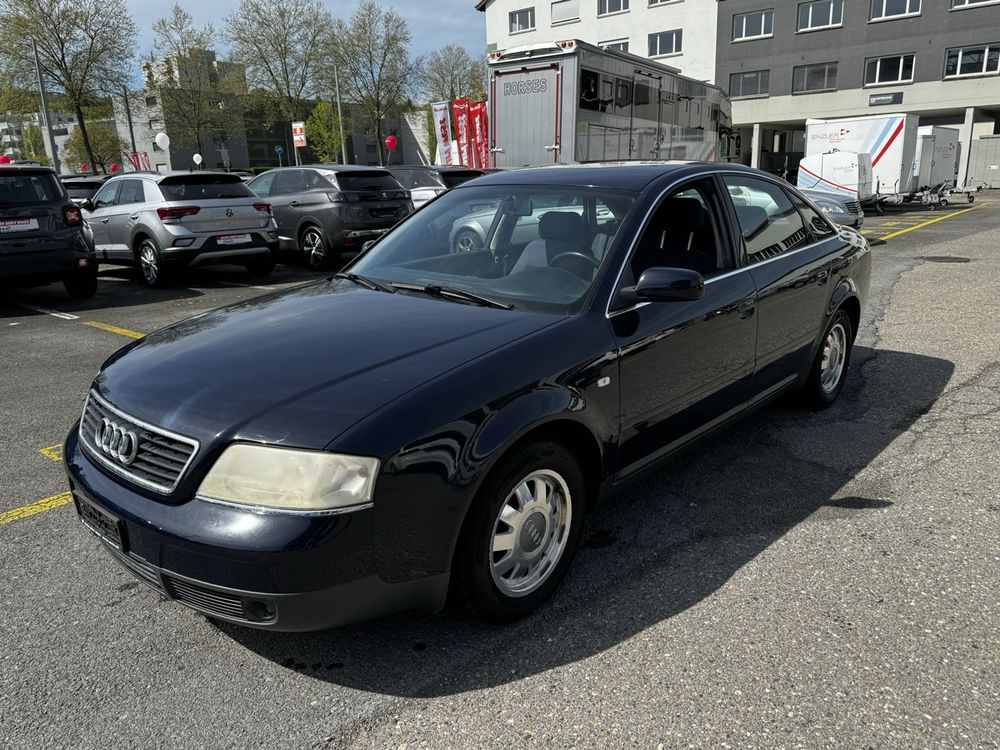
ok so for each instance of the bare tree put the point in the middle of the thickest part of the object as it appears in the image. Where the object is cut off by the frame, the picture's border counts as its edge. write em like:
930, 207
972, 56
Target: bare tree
281, 43
200, 95
452, 73
373, 55
86, 48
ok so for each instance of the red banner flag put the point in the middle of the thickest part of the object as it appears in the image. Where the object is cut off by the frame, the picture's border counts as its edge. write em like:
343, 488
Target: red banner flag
460, 108
442, 129
480, 134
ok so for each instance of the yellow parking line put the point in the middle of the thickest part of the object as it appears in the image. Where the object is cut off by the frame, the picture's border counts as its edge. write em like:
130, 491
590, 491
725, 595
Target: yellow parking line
928, 223
52, 451
114, 329
39, 506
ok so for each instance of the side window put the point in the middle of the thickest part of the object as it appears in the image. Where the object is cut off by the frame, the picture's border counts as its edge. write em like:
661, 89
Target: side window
151, 193
262, 185
107, 195
818, 224
769, 223
288, 181
683, 232
131, 192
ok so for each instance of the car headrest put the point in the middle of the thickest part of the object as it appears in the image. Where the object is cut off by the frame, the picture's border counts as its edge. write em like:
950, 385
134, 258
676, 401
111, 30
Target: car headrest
685, 214
560, 225
752, 220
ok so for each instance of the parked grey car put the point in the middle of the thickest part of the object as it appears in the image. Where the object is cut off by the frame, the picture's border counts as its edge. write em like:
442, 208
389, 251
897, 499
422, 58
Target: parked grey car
841, 209
162, 223
329, 211
427, 181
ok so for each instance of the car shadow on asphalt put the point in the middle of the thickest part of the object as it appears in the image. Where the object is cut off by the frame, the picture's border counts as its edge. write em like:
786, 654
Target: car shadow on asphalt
657, 549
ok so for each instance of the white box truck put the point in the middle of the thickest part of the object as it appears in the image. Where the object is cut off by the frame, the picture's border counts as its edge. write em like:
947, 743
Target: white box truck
843, 172
890, 141
937, 156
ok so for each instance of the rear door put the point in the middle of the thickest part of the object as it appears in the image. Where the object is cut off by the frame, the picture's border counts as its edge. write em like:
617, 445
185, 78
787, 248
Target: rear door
526, 114
285, 193
116, 218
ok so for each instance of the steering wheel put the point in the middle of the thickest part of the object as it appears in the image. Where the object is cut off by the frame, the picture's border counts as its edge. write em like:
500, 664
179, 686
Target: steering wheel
572, 259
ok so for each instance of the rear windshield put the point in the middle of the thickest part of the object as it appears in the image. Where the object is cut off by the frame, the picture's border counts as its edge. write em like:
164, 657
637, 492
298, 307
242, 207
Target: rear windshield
26, 189
81, 189
203, 186
416, 178
367, 181
451, 179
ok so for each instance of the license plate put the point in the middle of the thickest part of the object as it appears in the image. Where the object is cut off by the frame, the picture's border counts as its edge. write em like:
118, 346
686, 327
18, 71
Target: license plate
8, 226
232, 239
383, 213
102, 523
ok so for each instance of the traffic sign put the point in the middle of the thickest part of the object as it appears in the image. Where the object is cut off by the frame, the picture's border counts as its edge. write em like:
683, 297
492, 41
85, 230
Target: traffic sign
279, 150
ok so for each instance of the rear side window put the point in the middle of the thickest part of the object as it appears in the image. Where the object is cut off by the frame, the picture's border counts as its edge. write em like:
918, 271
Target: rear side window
203, 187
416, 178
363, 181
28, 189
131, 192
769, 222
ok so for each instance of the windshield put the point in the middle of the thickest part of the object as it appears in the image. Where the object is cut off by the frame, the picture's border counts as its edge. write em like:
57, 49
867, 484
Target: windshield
533, 247
26, 189
193, 187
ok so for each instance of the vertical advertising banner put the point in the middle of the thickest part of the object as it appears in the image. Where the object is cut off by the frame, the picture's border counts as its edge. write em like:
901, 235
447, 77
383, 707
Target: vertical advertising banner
460, 107
298, 134
442, 129
480, 134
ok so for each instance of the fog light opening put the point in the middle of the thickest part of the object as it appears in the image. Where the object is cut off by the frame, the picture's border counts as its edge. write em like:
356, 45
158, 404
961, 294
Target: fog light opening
259, 610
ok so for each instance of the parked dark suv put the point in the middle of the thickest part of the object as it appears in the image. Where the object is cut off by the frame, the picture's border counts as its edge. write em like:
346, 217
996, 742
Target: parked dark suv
329, 211
43, 237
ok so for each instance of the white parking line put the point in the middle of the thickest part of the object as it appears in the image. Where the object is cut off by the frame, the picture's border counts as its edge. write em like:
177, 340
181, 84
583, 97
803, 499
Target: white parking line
246, 286
46, 311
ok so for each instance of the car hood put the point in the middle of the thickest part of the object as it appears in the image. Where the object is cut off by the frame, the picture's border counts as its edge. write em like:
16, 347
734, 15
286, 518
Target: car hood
300, 367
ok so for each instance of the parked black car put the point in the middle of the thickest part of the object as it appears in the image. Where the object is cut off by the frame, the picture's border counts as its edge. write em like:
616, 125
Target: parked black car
430, 421
43, 237
82, 187
327, 212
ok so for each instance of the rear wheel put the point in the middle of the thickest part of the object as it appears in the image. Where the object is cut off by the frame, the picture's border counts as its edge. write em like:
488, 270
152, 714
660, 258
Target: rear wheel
151, 266
829, 371
315, 249
467, 241
82, 283
521, 533
260, 267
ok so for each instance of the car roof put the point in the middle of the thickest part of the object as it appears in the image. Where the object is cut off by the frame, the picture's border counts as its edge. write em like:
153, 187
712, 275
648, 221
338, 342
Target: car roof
623, 175
26, 169
84, 177
160, 176
437, 168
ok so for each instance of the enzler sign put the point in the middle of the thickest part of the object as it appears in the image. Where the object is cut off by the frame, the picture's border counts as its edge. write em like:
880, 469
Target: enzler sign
895, 97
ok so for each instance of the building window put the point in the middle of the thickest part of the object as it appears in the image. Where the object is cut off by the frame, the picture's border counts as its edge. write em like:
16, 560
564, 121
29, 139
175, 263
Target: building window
565, 10
967, 3
820, 14
150, 101
604, 7
894, 8
619, 45
750, 83
522, 20
665, 43
891, 69
807, 79
972, 61
664, 2
754, 25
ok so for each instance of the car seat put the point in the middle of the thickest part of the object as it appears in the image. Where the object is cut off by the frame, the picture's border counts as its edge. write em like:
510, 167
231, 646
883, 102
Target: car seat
559, 232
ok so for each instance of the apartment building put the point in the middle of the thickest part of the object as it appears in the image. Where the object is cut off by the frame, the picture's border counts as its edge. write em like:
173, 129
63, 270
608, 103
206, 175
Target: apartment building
679, 33
784, 61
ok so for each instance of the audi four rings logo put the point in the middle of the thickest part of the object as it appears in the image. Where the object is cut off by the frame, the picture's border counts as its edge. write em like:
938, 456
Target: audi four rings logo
119, 443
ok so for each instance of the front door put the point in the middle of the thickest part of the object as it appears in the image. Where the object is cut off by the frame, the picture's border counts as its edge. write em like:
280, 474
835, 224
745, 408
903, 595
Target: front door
684, 366
525, 116
99, 219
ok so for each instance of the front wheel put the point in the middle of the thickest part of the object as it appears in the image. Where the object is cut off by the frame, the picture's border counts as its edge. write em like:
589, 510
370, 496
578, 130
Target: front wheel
829, 370
521, 533
467, 241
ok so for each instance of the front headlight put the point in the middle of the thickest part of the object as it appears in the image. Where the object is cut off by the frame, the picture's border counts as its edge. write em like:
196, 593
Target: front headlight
286, 479
830, 208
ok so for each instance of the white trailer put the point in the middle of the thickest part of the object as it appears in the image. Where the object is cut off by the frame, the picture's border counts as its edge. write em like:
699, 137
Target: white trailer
890, 140
936, 160
843, 172
570, 102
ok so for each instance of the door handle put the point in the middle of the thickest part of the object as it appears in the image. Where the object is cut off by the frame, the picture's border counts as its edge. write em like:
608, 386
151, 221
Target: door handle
294, 204
105, 221
746, 309
553, 147
822, 276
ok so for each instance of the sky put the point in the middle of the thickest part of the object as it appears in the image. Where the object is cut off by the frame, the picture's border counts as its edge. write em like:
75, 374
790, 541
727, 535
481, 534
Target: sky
433, 23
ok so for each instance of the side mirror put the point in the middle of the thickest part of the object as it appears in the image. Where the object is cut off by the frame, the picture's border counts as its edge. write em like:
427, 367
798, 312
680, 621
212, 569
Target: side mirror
87, 205
670, 285
367, 244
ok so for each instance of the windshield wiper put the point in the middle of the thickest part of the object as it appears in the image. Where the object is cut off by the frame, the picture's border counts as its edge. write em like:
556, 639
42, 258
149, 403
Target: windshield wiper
365, 282
445, 292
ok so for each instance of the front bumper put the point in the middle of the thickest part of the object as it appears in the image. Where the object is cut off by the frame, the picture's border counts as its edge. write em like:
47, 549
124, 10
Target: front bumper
264, 570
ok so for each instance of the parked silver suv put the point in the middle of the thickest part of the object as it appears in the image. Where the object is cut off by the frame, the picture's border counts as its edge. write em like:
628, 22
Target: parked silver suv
162, 223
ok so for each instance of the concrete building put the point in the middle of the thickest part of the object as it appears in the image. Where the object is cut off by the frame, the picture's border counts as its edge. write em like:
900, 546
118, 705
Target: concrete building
15, 130
680, 33
784, 62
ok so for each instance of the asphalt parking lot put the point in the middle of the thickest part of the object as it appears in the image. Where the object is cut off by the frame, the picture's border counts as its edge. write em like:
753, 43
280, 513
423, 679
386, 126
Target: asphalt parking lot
806, 580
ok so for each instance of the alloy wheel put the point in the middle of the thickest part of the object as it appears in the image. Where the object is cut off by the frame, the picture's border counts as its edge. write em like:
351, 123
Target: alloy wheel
831, 367
149, 263
314, 248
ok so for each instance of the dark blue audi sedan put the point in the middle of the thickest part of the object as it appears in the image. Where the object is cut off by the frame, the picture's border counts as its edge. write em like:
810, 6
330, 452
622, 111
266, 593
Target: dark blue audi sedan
433, 421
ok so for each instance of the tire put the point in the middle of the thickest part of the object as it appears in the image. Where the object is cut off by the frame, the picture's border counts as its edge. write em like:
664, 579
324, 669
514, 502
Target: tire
152, 270
82, 284
260, 267
829, 370
467, 241
315, 249
511, 582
